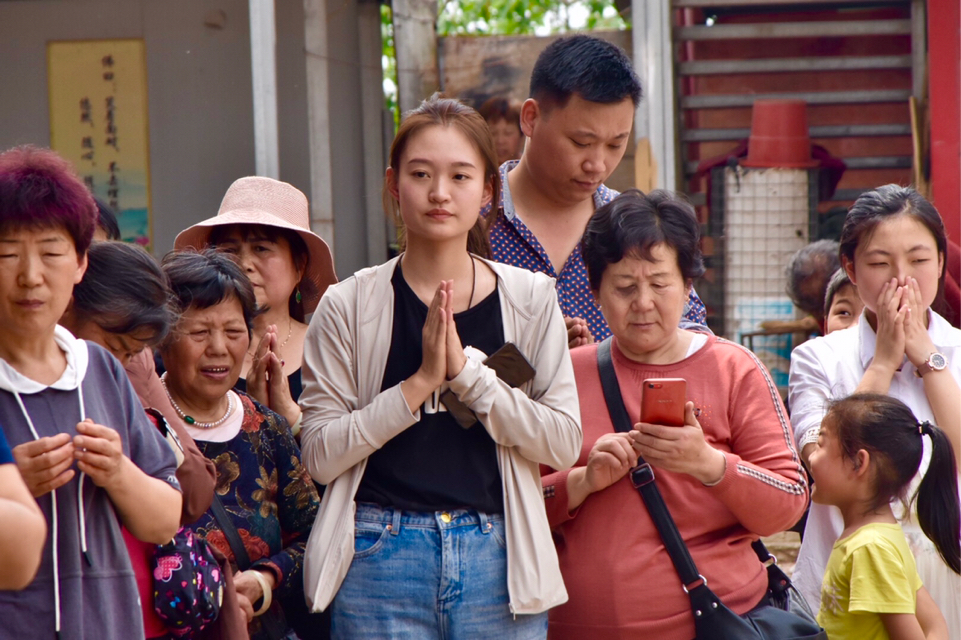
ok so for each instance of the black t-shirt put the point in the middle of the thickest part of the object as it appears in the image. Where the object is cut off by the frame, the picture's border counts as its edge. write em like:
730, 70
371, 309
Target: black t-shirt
435, 464
294, 381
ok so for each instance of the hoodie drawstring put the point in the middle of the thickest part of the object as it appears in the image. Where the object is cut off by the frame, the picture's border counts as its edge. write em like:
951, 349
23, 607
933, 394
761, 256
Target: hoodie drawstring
53, 503
80, 507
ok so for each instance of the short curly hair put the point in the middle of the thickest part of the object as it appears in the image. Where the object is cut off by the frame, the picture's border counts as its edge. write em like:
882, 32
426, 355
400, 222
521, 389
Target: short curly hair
633, 223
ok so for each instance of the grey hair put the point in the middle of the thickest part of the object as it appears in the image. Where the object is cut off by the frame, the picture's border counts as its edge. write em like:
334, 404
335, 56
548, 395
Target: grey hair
820, 260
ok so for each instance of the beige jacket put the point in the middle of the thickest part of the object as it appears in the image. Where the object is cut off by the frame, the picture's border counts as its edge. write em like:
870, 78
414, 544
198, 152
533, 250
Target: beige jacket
346, 418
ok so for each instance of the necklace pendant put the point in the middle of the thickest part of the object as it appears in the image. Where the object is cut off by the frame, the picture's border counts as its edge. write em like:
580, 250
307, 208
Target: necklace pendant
189, 420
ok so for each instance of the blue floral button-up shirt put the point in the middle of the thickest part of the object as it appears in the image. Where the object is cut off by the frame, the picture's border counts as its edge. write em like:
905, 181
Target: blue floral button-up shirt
514, 244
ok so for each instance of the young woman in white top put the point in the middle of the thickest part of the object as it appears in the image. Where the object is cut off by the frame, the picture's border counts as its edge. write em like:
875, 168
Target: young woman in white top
893, 248
422, 509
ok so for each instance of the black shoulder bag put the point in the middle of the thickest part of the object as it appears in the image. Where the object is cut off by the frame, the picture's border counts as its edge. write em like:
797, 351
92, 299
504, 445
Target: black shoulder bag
271, 621
787, 617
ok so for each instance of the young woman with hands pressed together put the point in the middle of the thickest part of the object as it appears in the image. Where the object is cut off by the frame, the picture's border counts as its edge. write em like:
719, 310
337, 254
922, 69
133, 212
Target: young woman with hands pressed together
893, 247
422, 509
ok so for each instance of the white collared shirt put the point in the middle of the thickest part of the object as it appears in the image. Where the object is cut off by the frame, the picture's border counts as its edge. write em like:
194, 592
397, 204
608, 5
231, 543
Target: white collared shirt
829, 368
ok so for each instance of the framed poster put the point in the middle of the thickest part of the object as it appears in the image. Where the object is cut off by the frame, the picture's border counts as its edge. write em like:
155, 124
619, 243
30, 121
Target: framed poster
98, 121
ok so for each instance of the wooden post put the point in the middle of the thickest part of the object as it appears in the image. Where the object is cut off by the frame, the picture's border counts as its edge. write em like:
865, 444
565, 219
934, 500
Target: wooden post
655, 122
415, 41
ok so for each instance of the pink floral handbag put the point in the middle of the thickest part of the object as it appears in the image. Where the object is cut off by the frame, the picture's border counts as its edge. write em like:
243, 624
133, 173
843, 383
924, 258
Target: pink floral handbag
188, 584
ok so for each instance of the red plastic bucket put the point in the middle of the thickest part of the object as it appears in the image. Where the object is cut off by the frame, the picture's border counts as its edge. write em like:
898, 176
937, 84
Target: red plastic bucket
779, 135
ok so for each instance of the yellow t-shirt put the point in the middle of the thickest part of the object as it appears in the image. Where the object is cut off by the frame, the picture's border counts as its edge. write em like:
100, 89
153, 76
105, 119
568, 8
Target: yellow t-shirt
870, 572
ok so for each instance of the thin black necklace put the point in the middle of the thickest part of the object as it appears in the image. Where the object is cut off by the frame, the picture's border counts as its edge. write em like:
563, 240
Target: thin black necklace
473, 282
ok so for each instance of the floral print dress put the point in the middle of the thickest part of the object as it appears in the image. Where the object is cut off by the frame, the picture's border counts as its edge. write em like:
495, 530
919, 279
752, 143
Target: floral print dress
269, 495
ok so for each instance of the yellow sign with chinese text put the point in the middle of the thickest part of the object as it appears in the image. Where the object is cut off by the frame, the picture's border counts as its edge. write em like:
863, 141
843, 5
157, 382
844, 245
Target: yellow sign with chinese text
98, 121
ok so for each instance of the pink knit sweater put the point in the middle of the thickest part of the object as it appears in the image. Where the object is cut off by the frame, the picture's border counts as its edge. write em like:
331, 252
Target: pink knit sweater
619, 577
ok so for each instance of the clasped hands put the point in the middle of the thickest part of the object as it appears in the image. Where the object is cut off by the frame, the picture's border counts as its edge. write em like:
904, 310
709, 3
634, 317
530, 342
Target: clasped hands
266, 382
47, 464
578, 333
443, 354
678, 449
900, 326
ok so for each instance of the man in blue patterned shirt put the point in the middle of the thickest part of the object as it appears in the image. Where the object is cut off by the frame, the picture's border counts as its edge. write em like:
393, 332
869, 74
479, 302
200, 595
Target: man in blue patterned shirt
577, 121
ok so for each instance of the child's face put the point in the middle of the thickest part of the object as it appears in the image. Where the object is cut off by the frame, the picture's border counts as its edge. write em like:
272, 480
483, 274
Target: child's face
829, 468
846, 307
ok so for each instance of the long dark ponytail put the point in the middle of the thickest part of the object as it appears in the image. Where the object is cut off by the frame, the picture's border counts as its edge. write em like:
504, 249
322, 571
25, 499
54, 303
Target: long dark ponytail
887, 429
938, 512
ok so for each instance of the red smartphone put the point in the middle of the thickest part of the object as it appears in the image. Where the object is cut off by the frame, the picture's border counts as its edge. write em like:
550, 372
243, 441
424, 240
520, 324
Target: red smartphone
662, 401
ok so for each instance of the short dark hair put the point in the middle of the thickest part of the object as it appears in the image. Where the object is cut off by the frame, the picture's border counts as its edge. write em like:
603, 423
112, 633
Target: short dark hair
594, 69
633, 223
298, 251
500, 108
808, 272
39, 189
124, 290
202, 279
889, 201
837, 282
107, 219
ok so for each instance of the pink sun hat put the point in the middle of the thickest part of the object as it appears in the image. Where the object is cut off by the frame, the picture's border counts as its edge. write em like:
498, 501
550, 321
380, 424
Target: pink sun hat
272, 203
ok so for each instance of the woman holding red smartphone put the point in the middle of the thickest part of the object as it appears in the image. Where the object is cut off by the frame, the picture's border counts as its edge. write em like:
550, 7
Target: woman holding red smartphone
729, 474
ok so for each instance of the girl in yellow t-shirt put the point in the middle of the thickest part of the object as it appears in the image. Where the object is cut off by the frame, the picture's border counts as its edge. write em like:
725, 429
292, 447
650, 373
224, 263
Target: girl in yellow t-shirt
868, 450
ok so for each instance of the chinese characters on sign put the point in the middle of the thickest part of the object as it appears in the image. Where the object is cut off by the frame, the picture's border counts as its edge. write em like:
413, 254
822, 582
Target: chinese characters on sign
98, 120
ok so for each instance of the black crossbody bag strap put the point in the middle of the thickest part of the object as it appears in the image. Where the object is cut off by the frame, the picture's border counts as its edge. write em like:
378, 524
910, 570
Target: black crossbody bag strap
230, 532
642, 476
270, 620
712, 619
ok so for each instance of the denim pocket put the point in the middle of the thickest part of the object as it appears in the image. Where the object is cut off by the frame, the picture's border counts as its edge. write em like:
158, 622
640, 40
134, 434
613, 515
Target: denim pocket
498, 531
369, 537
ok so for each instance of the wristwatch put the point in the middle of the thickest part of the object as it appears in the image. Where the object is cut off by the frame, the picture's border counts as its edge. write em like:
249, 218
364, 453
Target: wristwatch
935, 362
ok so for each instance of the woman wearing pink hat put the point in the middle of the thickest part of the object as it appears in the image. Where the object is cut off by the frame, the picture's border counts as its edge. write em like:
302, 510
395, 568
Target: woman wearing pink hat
265, 225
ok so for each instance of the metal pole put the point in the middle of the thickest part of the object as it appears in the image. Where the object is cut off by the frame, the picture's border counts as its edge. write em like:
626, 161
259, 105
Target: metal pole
263, 61
655, 120
318, 120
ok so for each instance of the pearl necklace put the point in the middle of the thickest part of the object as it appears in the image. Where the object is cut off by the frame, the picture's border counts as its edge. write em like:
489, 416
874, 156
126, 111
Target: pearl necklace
190, 419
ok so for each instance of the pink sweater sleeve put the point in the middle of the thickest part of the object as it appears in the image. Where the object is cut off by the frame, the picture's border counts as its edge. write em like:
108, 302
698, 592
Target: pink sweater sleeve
764, 484
555, 496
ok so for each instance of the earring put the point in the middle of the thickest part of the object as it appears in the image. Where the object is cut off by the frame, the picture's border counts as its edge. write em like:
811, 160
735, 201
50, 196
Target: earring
297, 295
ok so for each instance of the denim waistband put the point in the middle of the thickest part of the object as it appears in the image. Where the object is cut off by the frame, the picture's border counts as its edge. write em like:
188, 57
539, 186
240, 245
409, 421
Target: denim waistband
449, 519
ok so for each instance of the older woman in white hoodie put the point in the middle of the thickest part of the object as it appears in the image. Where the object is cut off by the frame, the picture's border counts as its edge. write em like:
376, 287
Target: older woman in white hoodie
80, 437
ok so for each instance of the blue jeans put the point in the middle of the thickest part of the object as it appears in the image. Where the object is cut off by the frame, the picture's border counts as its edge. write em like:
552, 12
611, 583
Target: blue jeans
422, 575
